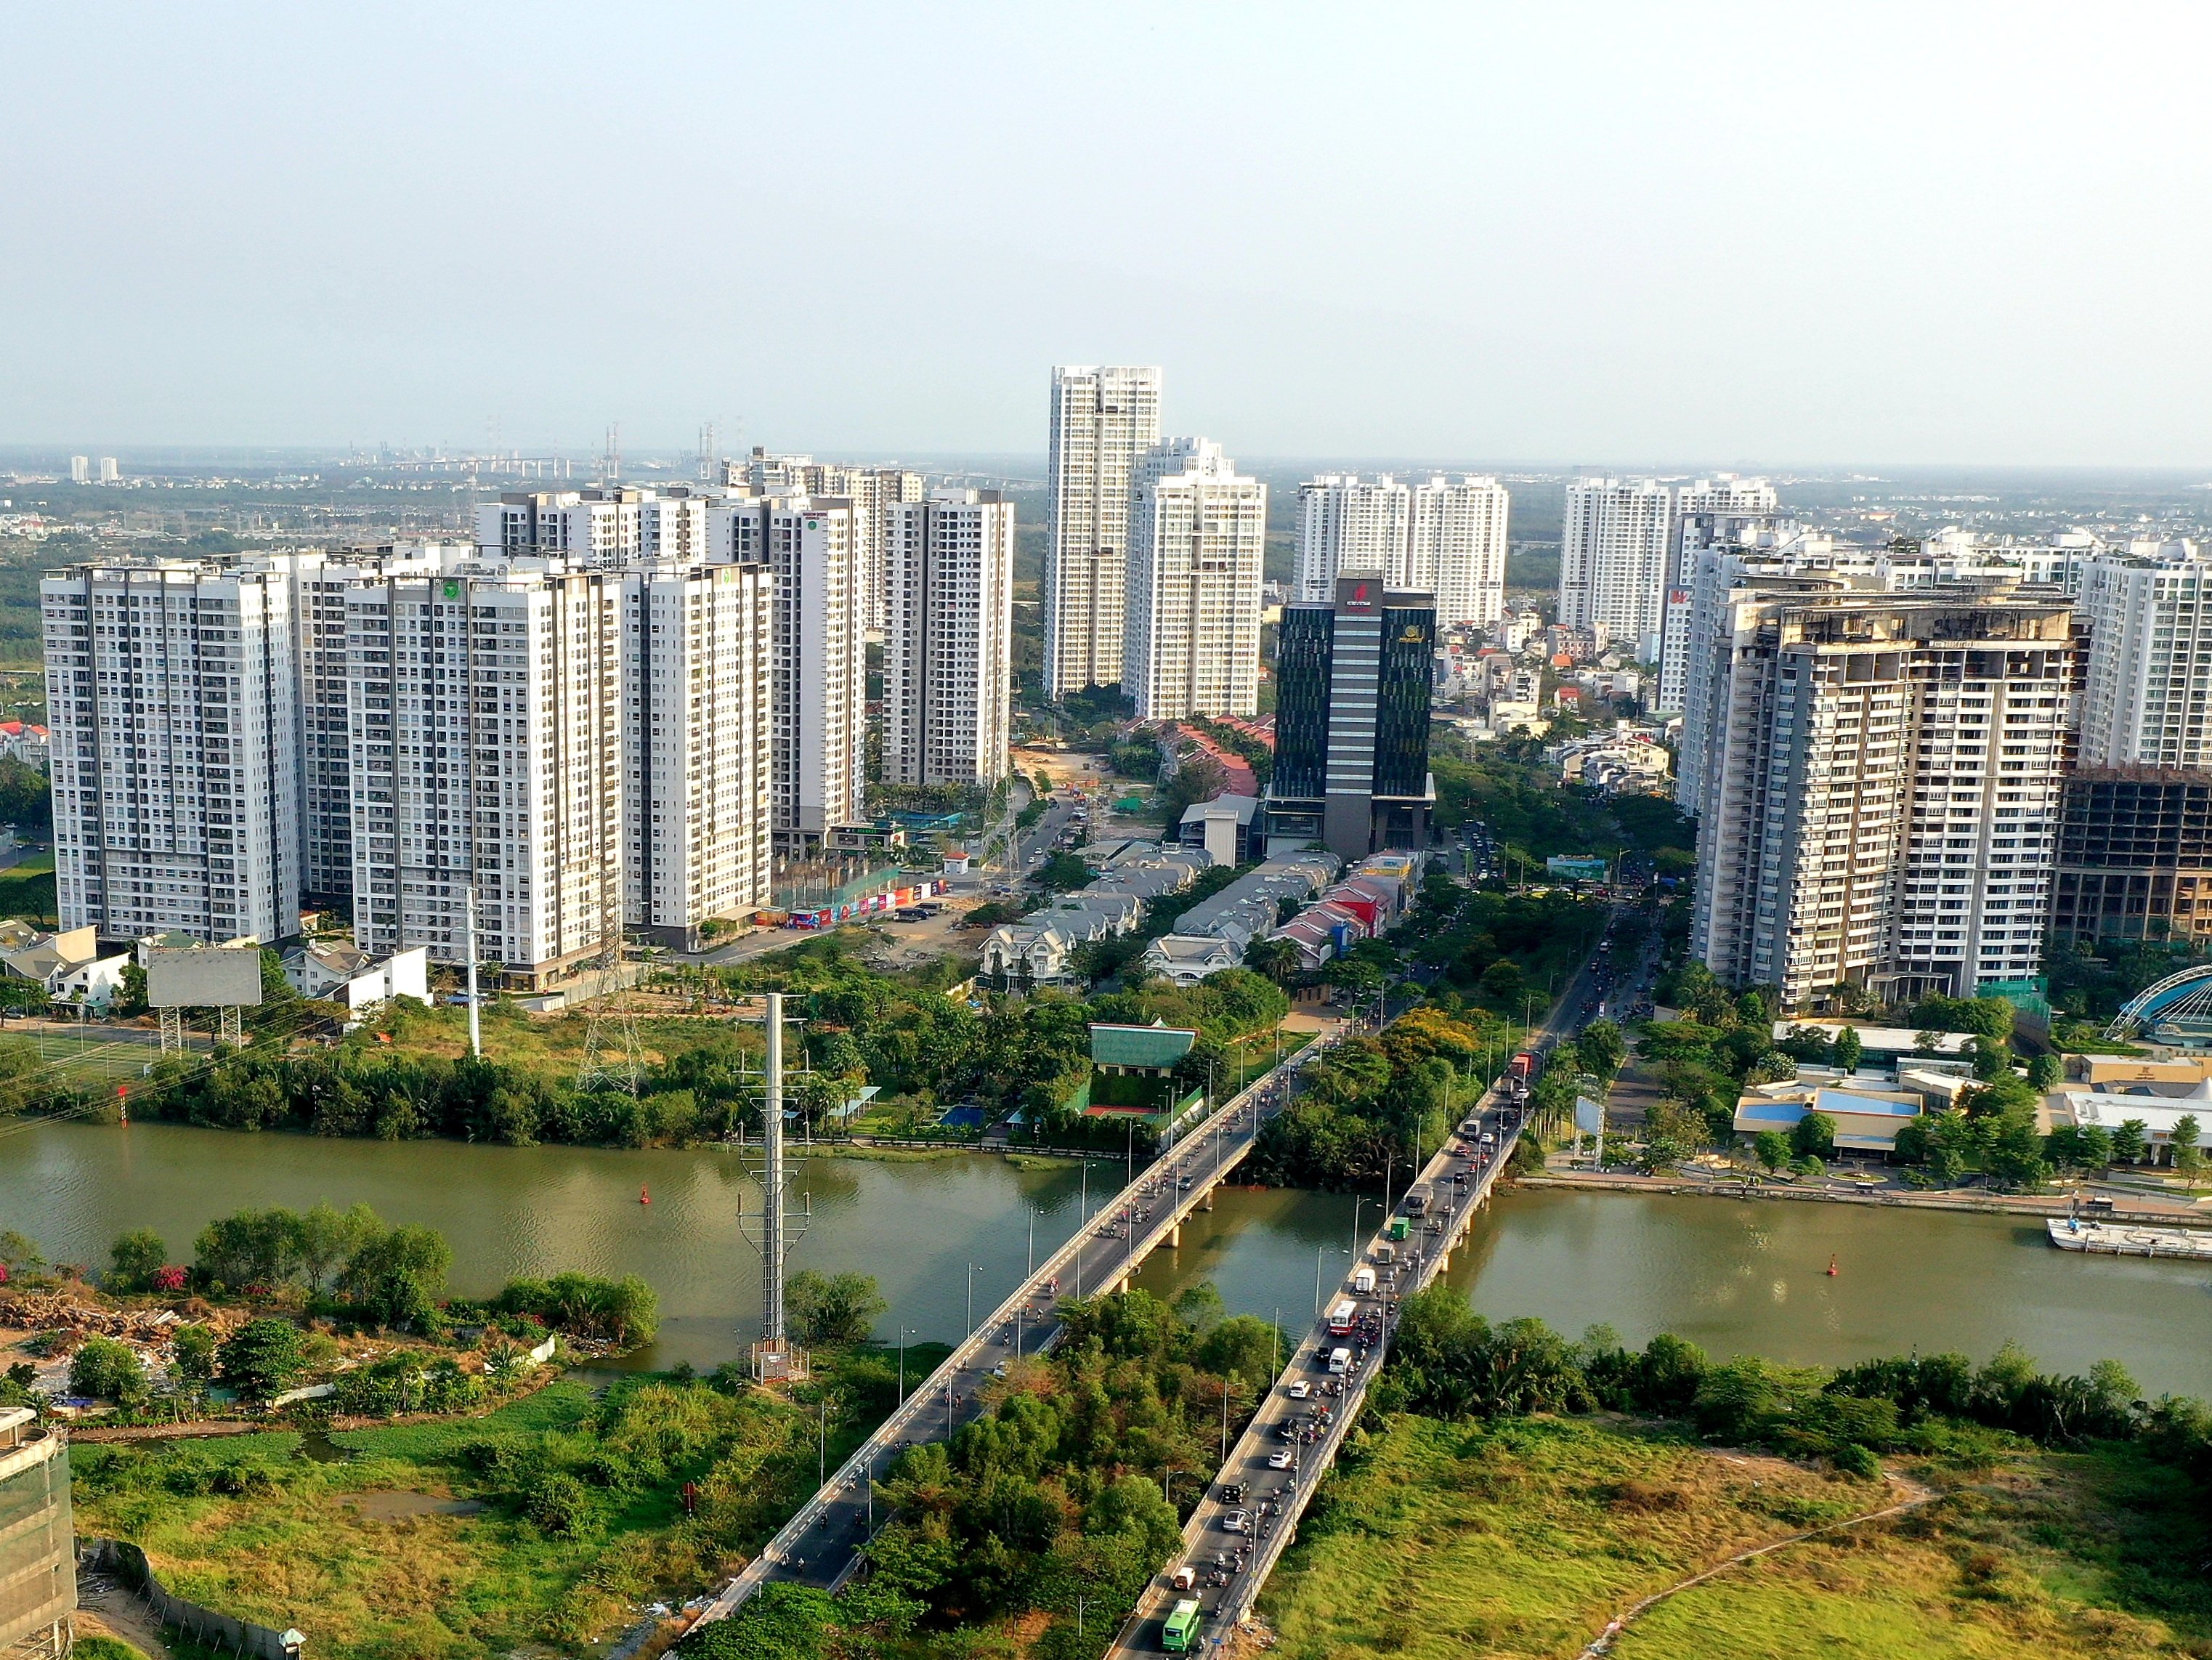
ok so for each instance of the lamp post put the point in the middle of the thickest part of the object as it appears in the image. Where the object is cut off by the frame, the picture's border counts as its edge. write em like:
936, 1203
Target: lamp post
972, 1272
905, 1332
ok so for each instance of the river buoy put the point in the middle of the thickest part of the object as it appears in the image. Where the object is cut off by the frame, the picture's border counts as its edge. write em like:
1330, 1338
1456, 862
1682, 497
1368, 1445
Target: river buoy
1832, 1268
645, 1197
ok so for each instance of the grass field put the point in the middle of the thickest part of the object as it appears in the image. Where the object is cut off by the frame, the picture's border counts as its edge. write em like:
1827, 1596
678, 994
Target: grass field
546, 1522
27, 891
1526, 1538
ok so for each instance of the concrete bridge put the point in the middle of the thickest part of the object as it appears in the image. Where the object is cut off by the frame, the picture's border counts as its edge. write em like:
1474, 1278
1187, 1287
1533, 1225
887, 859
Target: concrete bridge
821, 1545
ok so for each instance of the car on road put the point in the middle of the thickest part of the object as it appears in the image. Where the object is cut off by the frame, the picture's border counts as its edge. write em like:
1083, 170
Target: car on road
1299, 1391
1281, 1459
1236, 1521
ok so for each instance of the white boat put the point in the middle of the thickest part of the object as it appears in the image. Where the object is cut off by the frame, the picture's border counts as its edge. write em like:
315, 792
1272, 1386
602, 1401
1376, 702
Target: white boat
2122, 1239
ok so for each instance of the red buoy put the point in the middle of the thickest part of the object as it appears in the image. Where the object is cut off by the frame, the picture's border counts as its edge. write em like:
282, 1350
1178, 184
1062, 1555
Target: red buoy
645, 1197
1832, 1268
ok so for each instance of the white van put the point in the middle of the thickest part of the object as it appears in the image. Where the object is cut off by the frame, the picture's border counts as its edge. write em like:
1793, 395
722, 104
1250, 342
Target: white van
1363, 1282
1339, 1361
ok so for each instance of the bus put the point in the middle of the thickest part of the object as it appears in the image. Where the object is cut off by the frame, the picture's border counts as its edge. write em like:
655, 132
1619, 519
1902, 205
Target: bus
1340, 1317
1179, 1635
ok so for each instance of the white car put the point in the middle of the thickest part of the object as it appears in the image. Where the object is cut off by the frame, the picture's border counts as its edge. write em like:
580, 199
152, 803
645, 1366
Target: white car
1281, 1459
1299, 1391
1236, 1521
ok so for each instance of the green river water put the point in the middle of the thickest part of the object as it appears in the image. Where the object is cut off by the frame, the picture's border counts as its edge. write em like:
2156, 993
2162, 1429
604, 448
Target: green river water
1734, 1276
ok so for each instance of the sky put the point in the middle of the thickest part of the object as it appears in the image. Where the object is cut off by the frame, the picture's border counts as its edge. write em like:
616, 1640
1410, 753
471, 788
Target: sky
1586, 235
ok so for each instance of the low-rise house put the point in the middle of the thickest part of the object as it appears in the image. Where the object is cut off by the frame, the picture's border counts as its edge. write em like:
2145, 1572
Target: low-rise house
1367, 902
345, 974
1212, 935
1866, 1117
67, 967
1223, 829
21, 740
1039, 949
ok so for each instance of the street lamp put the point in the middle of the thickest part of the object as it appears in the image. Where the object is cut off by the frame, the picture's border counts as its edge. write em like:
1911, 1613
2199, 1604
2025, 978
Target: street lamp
972, 1272
905, 1332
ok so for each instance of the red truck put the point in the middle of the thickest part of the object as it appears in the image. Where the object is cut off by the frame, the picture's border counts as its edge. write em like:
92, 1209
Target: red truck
1523, 1064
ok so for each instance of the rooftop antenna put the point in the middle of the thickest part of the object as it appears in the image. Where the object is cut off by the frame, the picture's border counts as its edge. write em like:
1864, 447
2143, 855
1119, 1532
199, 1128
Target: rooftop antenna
774, 1230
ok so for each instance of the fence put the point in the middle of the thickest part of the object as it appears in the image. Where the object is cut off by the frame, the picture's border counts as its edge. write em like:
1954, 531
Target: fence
127, 1563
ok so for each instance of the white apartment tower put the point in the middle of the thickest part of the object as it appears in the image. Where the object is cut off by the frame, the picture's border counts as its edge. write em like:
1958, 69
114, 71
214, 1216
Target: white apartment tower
320, 582
1348, 523
1197, 541
597, 529
1435, 535
1614, 558
2147, 696
80, 469
172, 693
811, 549
872, 491
521, 727
1881, 795
1104, 419
1456, 548
948, 669
698, 752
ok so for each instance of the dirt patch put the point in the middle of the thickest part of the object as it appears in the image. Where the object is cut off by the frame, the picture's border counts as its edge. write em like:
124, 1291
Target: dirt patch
104, 1609
390, 1506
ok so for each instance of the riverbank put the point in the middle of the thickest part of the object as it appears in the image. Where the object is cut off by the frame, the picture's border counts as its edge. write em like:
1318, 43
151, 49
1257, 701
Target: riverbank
1966, 1203
1526, 1536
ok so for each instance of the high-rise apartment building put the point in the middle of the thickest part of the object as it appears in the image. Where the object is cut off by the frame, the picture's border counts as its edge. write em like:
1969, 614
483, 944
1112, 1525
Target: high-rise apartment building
520, 726
1620, 559
2147, 697
110, 471
1614, 557
1456, 548
1435, 535
1104, 419
811, 548
1352, 721
1347, 523
1882, 792
699, 757
172, 694
599, 528
80, 469
1708, 512
320, 584
1198, 535
873, 492
948, 664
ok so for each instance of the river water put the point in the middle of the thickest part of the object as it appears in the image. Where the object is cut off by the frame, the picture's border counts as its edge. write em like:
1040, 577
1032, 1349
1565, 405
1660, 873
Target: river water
1732, 1276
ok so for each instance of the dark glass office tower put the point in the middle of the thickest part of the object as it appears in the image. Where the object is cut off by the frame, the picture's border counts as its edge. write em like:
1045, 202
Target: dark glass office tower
1352, 721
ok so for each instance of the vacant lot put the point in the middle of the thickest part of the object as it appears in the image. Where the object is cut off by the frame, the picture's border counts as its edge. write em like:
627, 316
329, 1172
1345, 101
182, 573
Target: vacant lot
1526, 1538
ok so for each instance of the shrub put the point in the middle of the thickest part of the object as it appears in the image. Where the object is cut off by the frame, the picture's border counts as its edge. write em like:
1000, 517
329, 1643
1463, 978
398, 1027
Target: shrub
107, 1371
136, 1257
261, 1358
557, 1502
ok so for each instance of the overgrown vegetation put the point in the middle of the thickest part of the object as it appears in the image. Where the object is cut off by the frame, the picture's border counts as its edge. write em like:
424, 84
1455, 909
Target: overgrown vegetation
547, 1522
1508, 787
1053, 1494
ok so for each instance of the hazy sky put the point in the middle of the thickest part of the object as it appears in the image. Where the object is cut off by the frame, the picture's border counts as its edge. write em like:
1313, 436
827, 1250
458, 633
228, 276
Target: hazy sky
1599, 234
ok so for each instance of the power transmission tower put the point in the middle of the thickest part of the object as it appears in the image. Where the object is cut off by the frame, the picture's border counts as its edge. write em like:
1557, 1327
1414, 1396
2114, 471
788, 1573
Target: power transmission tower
773, 1230
613, 460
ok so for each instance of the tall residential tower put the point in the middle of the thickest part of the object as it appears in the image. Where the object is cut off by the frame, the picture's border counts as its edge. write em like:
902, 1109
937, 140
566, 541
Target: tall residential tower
1104, 419
1197, 539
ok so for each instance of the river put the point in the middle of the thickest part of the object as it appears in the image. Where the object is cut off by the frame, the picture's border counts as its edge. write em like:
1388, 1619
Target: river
1733, 1277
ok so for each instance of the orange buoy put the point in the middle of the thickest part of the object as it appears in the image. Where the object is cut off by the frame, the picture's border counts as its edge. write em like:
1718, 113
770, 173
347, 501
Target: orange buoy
645, 1197
1832, 1268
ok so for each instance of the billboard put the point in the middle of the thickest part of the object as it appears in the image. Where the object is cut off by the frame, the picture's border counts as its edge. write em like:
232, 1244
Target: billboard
205, 977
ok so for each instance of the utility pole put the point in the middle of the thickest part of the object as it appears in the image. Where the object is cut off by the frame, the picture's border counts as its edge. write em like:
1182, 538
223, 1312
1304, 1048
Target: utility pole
774, 1233
475, 1027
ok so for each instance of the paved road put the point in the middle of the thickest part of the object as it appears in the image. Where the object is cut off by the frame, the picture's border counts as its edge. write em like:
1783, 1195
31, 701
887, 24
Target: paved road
820, 1546
1229, 1566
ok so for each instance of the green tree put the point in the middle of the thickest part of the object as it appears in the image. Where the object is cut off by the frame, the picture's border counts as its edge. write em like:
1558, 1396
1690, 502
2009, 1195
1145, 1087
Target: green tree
107, 1371
1771, 1148
18, 1254
1848, 1049
1503, 983
1814, 1136
2188, 1156
261, 1358
134, 1258
833, 1309
1602, 1047
192, 1354
396, 1277
327, 1238
2043, 1073
2130, 1141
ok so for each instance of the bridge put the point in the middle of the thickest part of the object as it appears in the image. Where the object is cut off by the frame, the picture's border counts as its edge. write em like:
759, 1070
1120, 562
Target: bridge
821, 1545
1225, 1570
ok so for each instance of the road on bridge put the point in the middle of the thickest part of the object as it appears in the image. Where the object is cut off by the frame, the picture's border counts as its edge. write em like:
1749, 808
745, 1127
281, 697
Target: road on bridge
1247, 1516
821, 1545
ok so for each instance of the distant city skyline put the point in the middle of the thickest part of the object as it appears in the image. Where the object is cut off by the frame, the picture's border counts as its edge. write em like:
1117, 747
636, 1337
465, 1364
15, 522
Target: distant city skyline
1753, 237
